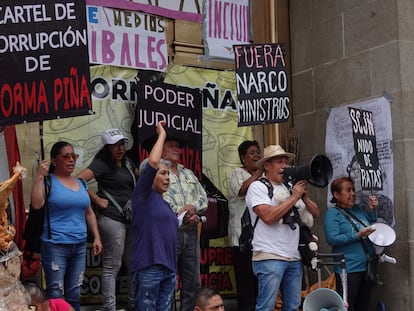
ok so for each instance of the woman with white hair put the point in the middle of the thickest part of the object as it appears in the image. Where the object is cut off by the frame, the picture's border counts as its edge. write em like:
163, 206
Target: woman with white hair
155, 226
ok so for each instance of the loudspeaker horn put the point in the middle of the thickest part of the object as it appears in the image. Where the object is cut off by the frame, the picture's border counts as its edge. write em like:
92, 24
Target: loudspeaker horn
323, 299
318, 173
384, 235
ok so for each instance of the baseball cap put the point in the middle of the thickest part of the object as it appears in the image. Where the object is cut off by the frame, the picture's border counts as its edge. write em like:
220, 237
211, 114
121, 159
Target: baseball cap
112, 136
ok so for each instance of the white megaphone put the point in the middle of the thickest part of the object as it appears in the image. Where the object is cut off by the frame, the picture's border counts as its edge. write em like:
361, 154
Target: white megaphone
323, 299
384, 235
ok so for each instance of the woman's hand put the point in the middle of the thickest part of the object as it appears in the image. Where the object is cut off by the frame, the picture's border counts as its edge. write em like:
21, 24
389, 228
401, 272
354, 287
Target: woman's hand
160, 128
43, 169
101, 203
373, 202
366, 231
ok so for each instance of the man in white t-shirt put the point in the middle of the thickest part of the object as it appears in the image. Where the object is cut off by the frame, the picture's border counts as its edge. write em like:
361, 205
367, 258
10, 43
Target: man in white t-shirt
276, 259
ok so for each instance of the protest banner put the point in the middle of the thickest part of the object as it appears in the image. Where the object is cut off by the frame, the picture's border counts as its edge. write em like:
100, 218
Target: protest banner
365, 146
340, 149
126, 38
180, 107
44, 61
262, 84
188, 10
227, 23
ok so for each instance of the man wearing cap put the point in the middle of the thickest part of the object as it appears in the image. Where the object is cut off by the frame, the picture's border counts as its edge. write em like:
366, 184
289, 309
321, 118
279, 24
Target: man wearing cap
185, 194
276, 259
116, 178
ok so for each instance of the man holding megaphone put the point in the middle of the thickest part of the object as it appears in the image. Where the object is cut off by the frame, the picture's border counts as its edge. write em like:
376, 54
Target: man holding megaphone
276, 259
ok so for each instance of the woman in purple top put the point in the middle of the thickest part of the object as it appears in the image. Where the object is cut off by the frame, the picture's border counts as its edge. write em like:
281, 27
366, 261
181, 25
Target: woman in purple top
153, 260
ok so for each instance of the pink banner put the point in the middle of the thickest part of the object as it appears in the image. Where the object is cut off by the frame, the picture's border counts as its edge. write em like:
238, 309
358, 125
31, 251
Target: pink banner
151, 9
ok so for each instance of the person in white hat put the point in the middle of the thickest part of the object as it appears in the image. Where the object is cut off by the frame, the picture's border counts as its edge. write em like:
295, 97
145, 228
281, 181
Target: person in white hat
116, 177
276, 259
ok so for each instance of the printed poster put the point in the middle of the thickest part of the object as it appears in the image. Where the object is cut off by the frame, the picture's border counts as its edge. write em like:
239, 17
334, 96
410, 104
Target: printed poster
340, 149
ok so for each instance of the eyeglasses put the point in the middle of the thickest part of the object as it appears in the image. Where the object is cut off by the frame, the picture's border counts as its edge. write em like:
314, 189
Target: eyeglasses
120, 144
70, 156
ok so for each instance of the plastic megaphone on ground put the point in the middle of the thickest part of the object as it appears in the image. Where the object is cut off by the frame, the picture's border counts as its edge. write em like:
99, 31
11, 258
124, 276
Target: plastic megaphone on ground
323, 299
384, 235
318, 173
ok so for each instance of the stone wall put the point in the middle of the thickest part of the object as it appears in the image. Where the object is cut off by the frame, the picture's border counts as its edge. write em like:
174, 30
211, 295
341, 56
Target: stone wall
345, 51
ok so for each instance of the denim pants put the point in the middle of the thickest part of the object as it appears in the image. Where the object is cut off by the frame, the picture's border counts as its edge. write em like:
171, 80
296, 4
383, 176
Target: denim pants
278, 274
154, 287
64, 267
116, 241
188, 262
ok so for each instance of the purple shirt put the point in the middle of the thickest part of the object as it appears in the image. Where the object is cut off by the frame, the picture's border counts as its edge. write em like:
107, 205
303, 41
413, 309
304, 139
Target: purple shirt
155, 226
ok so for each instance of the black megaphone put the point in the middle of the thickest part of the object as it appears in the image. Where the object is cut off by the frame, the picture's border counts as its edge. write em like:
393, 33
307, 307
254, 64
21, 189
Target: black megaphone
318, 173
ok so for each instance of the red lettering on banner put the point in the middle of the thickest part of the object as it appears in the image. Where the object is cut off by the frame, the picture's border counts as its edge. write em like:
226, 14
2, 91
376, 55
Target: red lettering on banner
216, 255
259, 56
71, 92
23, 99
191, 160
216, 280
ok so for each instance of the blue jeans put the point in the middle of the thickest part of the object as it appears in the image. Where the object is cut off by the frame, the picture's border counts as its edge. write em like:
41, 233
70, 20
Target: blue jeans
154, 287
116, 242
64, 267
278, 274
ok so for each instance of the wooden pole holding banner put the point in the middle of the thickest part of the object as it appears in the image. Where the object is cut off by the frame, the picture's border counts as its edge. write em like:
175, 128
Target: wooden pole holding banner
42, 147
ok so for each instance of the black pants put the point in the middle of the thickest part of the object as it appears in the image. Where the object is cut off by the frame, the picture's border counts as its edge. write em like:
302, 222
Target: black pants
359, 293
246, 281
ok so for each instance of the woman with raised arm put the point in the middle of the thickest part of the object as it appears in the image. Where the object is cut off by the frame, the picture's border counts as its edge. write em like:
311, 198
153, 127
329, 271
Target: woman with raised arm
155, 225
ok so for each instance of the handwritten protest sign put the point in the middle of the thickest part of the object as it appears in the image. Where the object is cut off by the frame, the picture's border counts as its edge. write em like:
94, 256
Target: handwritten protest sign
127, 38
43, 60
227, 23
366, 148
262, 84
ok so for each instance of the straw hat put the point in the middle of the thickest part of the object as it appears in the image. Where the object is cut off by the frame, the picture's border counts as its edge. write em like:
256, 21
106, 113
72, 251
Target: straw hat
274, 151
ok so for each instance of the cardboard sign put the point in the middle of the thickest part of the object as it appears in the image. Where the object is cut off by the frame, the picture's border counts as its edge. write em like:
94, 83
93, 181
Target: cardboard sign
181, 108
262, 84
366, 148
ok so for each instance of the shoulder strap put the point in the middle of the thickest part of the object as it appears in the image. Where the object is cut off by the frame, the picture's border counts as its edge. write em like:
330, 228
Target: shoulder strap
110, 197
354, 217
129, 167
348, 216
48, 185
269, 186
83, 182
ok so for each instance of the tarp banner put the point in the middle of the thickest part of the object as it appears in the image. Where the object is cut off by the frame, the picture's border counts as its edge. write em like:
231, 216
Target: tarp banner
43, 60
